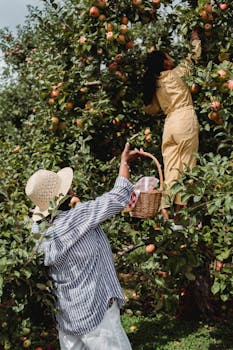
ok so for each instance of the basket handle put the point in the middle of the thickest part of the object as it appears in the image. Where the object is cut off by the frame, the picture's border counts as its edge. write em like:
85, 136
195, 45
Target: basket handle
147, 154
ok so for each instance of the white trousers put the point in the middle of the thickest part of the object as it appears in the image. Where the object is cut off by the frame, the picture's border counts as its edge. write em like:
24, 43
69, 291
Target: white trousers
109, 335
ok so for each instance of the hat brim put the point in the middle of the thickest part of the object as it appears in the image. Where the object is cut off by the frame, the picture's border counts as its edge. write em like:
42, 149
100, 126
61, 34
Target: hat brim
66, 177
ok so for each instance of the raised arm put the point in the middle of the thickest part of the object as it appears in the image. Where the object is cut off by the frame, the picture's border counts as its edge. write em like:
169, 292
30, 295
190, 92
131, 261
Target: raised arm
184, 67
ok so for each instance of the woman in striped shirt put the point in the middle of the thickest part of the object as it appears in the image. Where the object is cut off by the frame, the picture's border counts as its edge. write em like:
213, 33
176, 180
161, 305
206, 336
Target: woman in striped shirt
80, 260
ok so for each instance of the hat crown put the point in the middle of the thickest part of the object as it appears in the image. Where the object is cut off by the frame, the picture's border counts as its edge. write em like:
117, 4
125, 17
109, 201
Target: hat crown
42, 187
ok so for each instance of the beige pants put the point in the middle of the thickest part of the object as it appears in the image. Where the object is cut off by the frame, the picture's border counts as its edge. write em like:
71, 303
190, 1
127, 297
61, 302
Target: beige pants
180, 142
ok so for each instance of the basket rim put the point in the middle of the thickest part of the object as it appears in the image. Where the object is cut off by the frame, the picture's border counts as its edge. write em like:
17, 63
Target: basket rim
158, 165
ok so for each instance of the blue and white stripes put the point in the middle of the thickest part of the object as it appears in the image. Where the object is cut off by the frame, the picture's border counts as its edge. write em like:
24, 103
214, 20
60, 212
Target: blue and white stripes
81, 263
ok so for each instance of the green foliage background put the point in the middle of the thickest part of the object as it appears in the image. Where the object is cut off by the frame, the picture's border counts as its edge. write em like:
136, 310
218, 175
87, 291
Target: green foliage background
65, 49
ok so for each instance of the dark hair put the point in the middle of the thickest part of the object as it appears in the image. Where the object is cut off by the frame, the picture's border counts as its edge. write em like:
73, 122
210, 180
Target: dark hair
154, 66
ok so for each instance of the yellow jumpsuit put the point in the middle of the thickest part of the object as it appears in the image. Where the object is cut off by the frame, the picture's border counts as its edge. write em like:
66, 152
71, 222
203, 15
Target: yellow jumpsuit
181, 128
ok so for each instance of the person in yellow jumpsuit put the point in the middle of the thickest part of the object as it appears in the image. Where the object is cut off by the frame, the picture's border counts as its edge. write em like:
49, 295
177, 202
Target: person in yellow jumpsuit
165, 89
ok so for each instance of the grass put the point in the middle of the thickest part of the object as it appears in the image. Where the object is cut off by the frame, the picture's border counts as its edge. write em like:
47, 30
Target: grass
164, 333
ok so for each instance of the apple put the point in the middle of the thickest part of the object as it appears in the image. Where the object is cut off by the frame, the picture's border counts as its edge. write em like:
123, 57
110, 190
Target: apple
213, 115
208, 8
150, 248
55, 120
27, 343
121, 39
116, 121
194, 89
62, 125
147, 131
207, 27
124, 28
101, 3
230, 84
118, 58
219, 266
16, 149
94, 11
109, 36
124, 20
102, 17
22, 339
100, 51
216, 104
109, 27
222, 73
133, 328
51, 101
223, 6
26, 331
54, 93
203, 15
135, 296
129, 44
39, 348
156, 3
137, 2
112, 66
82, 39
148, 138
79, 122
69, 106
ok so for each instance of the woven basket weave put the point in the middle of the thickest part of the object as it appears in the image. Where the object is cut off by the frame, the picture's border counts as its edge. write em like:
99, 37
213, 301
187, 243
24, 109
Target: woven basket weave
148, 202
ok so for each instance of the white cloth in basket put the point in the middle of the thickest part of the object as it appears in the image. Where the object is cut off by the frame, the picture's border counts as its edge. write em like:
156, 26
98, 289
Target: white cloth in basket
145, 184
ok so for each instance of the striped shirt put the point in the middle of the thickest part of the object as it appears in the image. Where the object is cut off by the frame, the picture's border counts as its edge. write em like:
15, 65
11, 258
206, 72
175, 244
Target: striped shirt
80, 260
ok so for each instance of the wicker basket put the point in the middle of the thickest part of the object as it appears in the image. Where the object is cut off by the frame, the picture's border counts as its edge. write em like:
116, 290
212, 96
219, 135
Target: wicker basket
148, 202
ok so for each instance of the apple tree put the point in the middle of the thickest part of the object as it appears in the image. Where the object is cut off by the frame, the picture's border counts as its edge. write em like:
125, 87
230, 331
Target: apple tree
71, 94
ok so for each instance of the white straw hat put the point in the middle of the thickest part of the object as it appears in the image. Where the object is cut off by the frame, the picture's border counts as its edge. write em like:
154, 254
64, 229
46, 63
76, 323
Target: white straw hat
45, 185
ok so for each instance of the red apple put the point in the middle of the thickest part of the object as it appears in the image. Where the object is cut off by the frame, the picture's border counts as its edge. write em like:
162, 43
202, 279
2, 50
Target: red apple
213, 116
223, 6
150, 248
79, 122
230, 84
156, 3
216, 104
219, 266
54, 93
94, 11
194, 89
121, 39
137, 2
147, 131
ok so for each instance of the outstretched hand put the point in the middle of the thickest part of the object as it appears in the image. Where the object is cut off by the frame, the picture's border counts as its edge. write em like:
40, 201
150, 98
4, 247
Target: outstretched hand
130, 155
